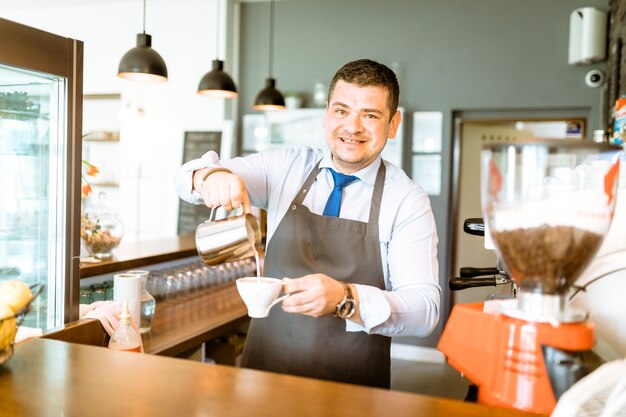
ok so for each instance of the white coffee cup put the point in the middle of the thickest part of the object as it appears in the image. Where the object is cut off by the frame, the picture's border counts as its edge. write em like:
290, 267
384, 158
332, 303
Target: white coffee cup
260, 294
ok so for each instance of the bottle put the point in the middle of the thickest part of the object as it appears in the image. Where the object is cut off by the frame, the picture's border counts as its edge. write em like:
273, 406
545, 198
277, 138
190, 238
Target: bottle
598, 136
619, 127
125, 337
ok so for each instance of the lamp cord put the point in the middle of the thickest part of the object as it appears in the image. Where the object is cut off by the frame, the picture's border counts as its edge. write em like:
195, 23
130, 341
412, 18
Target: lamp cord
144, 17
271, 36
217, 37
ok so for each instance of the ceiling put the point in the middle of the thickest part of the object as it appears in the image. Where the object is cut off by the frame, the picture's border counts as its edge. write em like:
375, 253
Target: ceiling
33, 4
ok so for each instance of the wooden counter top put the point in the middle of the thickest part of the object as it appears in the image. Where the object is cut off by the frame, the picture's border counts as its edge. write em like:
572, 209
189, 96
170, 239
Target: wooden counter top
135, 255
53, 378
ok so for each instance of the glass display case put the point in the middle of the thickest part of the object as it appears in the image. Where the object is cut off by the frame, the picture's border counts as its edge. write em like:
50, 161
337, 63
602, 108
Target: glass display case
40, 80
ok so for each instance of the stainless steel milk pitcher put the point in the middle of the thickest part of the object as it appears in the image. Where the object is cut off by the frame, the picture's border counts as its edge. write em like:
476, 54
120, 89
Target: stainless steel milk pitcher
228, 239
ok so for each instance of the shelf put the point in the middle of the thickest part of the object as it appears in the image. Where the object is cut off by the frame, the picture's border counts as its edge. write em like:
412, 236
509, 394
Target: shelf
18, 237
31, 150
102, 137
104, 184
135, 255
101, 140
102, 96
25, 115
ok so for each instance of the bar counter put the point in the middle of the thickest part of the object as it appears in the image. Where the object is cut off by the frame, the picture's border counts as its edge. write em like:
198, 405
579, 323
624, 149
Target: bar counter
54, 378
178, 326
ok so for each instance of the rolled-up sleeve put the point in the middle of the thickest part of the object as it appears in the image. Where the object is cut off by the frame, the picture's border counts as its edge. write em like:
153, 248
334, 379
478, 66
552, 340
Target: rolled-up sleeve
256, 170
184, 174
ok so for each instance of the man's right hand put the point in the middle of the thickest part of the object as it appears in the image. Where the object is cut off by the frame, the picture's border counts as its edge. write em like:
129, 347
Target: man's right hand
222, 189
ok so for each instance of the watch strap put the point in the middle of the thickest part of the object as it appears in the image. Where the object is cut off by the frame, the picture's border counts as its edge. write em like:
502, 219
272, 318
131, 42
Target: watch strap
213, 171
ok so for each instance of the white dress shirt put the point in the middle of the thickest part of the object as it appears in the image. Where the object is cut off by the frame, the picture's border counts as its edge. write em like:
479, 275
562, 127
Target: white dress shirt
409, 304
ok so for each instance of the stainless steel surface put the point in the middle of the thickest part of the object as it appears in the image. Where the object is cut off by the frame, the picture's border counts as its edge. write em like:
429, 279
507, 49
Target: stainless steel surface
228, 239
543, 308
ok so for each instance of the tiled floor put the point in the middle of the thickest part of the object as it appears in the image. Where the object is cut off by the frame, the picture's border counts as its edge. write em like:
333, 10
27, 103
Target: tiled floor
439, 380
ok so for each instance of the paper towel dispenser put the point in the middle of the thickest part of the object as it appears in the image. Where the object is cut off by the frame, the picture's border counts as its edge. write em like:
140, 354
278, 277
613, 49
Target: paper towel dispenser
587, 36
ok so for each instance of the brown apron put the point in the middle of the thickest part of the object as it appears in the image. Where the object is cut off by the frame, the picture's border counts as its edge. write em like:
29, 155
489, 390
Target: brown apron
347, 250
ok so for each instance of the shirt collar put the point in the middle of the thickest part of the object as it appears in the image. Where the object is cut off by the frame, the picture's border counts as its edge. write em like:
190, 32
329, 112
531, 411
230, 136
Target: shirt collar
367, 174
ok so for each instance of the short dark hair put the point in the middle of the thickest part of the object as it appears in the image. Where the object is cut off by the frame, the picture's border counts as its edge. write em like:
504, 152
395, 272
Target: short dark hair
365, 73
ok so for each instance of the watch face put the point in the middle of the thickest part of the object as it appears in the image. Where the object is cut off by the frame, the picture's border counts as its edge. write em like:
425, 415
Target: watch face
346, 309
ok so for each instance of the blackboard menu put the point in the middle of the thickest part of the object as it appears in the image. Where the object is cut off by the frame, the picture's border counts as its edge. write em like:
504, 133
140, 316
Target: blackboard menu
196, 144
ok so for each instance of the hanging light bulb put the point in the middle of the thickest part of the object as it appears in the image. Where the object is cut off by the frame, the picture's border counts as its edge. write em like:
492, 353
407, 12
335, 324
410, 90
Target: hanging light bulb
217, 83
142, 63
270, 98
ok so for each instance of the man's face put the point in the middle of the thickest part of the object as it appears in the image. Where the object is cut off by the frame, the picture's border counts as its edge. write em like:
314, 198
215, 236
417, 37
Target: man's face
357, 125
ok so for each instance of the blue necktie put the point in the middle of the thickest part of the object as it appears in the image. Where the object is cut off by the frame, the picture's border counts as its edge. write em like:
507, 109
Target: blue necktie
334, 200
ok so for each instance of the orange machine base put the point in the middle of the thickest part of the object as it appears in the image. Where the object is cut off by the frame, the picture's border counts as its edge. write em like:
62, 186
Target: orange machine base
503, 356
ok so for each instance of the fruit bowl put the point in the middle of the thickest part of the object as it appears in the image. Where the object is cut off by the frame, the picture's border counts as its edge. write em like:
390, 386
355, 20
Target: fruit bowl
9, 325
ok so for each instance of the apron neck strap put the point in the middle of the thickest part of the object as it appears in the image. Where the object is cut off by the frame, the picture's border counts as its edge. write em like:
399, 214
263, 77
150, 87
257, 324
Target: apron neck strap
307, 184
377, 195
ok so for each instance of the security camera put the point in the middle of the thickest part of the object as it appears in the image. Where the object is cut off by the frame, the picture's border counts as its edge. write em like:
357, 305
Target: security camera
595, 78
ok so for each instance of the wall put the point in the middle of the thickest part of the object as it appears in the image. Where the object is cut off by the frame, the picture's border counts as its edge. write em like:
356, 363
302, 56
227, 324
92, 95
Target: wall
184, 34
452, 56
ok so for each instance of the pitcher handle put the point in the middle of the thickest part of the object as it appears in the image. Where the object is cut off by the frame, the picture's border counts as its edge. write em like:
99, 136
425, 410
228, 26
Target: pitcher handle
214, 212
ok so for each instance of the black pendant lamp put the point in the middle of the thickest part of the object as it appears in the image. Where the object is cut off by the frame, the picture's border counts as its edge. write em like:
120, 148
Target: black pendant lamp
270, 98
217, 83
142, 63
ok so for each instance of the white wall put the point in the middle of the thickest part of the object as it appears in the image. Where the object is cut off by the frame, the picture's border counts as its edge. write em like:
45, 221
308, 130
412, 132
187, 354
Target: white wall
184, 33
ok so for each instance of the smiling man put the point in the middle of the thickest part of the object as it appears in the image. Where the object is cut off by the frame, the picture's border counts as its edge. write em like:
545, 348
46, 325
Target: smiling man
351, 235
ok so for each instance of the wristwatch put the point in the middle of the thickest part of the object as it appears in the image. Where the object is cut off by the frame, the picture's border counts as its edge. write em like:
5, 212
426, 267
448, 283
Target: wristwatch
346, 307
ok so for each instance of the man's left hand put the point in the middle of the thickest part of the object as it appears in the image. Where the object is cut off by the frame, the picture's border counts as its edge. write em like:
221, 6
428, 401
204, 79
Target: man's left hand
314, 295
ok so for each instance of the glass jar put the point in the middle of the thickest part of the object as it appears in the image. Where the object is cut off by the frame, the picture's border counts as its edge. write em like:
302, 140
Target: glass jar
85, 295
548, 205
108, 290
98, 292
147, 302
101, 230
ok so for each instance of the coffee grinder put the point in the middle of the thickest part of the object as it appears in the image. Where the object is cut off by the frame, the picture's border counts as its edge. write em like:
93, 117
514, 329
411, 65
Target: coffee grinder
547, 205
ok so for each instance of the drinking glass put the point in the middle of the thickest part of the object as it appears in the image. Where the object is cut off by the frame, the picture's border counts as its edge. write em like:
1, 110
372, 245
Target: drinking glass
147, 302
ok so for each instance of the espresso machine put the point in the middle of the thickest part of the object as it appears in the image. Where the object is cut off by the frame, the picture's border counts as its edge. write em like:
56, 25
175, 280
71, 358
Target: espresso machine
547, 205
